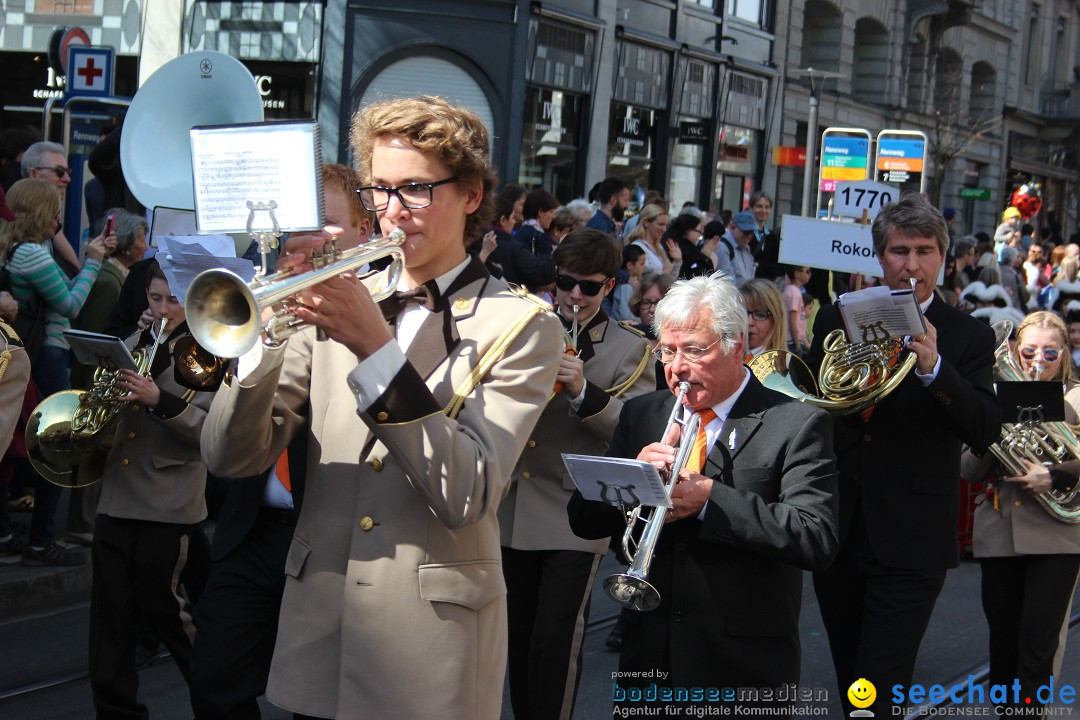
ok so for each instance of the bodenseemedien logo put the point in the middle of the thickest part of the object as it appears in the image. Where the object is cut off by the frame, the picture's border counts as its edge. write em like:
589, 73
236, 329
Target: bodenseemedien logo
861, 694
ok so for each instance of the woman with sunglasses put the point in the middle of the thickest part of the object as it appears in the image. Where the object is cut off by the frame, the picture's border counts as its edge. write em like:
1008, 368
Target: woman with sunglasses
768, 321
1029, 560
650, 290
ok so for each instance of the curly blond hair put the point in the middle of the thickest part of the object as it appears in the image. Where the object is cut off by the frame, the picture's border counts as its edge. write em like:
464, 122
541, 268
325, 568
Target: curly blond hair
455, 135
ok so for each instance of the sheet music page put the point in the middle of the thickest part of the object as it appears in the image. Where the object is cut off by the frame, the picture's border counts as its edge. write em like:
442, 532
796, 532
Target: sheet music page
878, 313
617, 481
275, 162
97, 349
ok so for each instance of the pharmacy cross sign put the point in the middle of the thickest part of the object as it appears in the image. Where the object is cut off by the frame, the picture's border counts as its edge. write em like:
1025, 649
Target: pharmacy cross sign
91, 70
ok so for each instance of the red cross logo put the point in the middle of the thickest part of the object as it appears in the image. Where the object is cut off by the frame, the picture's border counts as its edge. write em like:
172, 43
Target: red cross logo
90, 72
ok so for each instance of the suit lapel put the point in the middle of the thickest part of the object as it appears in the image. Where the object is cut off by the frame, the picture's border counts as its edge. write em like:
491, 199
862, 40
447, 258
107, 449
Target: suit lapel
740, 427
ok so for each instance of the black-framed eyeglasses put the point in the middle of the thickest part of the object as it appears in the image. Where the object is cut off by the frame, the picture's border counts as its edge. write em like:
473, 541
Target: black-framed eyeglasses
691, 353
588, 287
1048, 354
759, 315
58, 170
414, 196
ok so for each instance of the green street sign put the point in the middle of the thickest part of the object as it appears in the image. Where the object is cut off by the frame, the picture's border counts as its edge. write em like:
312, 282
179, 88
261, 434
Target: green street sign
974, 193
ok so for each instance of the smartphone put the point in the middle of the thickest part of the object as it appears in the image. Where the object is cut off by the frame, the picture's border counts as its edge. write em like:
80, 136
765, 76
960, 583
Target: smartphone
110, 225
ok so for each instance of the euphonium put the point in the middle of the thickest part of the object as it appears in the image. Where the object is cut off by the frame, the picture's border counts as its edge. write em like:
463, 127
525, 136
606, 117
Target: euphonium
224, 313
852, 378
632, 589
69, 426
1039, 443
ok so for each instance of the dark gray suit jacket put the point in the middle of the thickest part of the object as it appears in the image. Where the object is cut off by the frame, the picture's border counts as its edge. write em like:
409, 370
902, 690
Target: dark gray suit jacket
730, 584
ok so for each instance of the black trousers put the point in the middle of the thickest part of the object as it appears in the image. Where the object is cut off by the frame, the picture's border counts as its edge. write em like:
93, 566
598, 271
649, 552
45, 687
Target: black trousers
875, 616
1025, 599
237, 620
547, 597
137, 566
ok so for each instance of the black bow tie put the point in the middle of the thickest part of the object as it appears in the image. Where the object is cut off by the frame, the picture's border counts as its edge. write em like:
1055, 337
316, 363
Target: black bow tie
426, 295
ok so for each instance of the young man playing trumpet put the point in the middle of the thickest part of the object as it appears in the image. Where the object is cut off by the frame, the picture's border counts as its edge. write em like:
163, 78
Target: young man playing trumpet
394, 602
549, 571
756, 502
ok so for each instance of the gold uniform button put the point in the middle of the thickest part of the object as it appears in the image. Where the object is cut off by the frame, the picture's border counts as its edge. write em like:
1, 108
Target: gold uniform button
135, 408
461, 303
526, 474
1019, 503
366, 523
377, 464
125, 461
382, 417
131, 435
866, 437
532, 443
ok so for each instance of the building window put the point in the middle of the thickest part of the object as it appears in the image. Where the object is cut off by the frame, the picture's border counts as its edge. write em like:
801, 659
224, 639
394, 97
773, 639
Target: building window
750, 11
66, 7
1031, 61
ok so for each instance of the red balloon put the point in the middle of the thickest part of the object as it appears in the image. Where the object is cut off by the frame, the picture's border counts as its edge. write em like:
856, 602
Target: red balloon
1027, 199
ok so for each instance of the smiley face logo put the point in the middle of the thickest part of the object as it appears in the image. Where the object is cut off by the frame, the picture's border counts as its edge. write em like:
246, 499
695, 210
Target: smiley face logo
862, 693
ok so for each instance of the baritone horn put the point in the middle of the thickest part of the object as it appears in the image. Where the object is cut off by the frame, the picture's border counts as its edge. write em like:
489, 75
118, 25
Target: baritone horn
632, 589
224, 312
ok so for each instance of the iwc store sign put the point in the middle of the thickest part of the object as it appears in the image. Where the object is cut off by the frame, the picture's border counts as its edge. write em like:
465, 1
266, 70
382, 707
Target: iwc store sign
633, 129
693, 133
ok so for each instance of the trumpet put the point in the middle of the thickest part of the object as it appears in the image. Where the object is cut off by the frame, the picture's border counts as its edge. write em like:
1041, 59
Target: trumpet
571, 346
224, 313
632, 589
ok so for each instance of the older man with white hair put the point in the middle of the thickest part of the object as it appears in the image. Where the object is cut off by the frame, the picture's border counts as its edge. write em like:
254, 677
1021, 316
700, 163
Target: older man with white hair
46, 160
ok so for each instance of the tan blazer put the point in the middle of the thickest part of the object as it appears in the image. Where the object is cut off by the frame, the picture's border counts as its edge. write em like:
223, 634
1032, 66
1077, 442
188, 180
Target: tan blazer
618, 366
154, 470
12, 384
394, 603
1022, 527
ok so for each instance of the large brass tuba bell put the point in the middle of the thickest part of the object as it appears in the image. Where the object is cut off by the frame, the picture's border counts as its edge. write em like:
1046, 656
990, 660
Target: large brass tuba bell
853, 376
69, 426
224, 313
1039, 443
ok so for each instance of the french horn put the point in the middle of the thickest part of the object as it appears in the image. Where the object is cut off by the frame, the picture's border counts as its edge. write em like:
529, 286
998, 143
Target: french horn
70, 426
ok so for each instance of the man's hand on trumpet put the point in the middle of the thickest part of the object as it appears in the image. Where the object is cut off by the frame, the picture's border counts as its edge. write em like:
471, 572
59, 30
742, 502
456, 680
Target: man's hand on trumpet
341, 306
689, 495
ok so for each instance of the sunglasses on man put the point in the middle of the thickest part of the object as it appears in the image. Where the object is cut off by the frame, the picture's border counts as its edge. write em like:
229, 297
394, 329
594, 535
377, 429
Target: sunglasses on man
588, 287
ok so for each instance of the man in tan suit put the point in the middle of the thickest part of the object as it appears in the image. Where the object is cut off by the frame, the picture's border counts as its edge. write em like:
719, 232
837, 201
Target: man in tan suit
394, 603
151, 498
549, 570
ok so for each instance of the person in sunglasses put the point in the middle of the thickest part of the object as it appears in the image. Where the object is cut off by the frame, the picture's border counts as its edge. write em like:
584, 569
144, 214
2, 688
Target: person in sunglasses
1029, 560
549, 570
415, 410
46, 161
756, 503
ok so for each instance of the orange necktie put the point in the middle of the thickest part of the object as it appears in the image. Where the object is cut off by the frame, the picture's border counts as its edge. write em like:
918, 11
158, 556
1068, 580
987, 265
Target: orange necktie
701, 442
748, 358
282, 469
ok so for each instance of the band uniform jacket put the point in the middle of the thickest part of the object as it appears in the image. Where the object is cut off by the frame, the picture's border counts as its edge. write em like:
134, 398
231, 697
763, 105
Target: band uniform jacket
618, 366
14, 376
394, 603
730, 585
1021, 525
905, 462
154, 470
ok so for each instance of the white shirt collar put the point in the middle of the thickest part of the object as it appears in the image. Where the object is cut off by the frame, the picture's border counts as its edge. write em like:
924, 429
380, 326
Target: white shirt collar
443, 281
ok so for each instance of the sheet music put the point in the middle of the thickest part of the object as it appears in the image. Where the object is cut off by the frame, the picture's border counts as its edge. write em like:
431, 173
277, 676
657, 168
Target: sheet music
183, 257
279, 162
617, 481
100, 350
878, 313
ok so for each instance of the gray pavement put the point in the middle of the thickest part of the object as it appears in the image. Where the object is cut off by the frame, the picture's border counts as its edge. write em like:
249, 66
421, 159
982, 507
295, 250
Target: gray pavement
43, 616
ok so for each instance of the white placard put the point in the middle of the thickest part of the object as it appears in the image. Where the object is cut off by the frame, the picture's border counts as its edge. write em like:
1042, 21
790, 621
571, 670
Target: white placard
851, 198
617, 481
239, 169
171, 221
839, 246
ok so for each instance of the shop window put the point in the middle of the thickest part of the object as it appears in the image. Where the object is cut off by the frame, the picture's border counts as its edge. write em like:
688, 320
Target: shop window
549, 148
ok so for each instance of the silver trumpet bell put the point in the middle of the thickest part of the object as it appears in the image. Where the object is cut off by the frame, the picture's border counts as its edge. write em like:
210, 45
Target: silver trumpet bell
632, 589
224, 313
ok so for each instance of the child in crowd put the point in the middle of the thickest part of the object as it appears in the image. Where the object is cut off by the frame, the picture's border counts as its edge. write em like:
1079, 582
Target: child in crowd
626, 281
796, 308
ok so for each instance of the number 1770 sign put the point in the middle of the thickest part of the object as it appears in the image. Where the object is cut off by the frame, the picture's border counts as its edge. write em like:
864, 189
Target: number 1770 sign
852, 198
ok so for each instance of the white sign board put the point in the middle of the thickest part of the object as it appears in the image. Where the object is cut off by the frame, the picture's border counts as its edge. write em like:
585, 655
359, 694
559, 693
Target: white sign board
841, 246
852, 198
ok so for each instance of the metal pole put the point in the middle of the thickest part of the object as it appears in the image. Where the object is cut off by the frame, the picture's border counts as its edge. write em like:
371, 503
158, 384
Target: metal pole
811, 152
